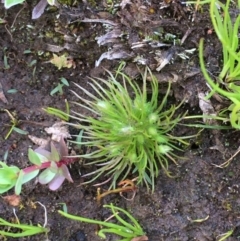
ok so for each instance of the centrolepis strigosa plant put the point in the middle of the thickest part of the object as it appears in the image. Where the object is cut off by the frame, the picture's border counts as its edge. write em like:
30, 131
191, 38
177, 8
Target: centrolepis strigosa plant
52, 159
132, 131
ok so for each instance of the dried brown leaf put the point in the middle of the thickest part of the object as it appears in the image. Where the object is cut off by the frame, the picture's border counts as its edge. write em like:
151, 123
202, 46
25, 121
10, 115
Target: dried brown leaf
39, 141
113, 54
206, 106
58, 130
109, 37
124, 3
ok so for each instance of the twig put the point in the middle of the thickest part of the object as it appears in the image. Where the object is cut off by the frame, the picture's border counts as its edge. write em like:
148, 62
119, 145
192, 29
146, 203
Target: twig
8, 32
24, 5
14, 212
188, 32
45, 214
127, 185
88, 20
226, 163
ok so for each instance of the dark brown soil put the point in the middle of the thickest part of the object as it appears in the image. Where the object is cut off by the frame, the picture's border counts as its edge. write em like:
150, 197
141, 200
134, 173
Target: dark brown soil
200, 189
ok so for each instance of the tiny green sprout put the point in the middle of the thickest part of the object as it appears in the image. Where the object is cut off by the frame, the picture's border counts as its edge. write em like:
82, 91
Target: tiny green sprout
59, 88
14, 123
226, 235
5, 59
127, 230
132, 131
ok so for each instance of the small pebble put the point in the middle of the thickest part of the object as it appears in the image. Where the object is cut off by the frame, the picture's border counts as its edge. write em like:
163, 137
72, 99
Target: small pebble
78, 236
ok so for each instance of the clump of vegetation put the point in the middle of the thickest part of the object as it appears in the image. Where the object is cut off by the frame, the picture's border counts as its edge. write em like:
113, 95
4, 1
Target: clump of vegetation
227, 31
125, 230
132, 131
53, 161
25, 229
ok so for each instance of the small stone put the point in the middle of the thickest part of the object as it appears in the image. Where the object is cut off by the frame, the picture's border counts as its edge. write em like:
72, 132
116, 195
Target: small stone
78, 236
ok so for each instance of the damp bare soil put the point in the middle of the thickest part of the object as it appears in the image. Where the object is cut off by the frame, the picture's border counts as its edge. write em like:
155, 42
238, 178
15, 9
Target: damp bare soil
202, 201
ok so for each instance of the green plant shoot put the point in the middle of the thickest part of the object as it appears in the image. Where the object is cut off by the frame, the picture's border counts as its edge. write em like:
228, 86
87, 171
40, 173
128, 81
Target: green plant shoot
126, 230
227, 32
26, 230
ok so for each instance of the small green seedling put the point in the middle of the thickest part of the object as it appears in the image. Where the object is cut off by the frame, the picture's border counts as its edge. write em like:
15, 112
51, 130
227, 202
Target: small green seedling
59, 113
59, 88
14, 127
127, 230
5, 59
25, 229
53, 162
226, 235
